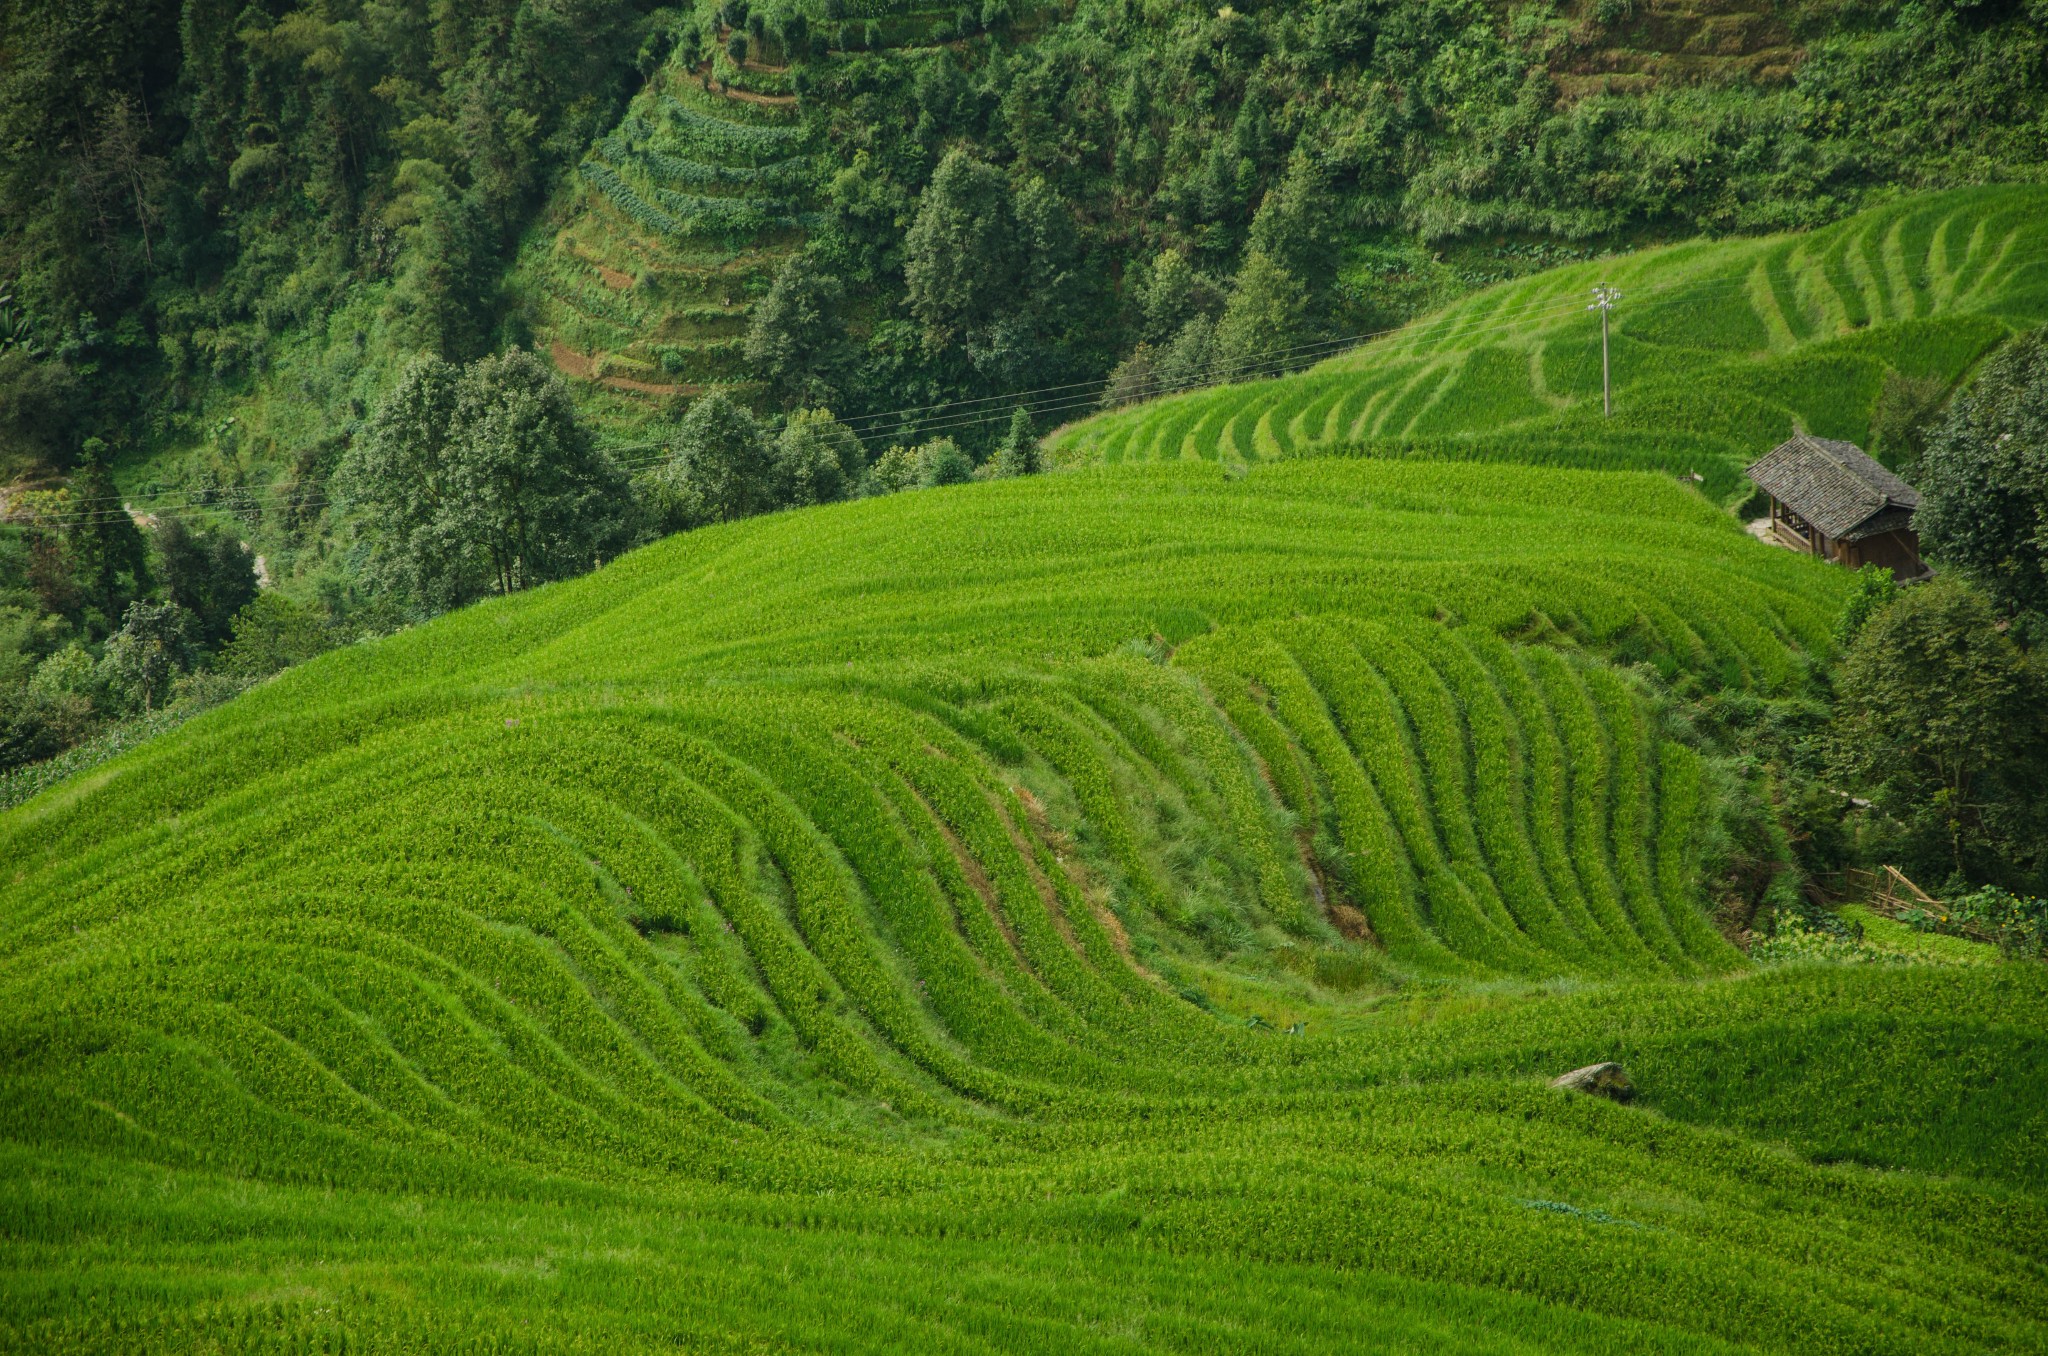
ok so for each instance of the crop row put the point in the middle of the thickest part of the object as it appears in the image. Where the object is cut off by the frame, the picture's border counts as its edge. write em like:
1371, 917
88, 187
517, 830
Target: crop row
1736, 343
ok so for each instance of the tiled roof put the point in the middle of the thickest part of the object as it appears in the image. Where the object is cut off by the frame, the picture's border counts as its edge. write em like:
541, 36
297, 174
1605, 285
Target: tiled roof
1836, 486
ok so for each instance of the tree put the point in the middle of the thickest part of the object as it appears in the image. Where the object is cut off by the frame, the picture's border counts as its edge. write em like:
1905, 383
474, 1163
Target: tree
1190, 360
1296, 229
722, 468
482, 480
1876, 590
107, 549
273, 633
528, 485
943, 463
796, 343
1984, 480
817, 460
1943, 720
894, 471
1019, 454
209, 573
394, 479
1132, 379
961, 253
151, 649
1172, 293
1266, 315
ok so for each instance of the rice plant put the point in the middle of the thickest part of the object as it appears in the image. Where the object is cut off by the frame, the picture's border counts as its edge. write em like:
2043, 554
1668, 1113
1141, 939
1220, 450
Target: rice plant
918, 922
1720, 351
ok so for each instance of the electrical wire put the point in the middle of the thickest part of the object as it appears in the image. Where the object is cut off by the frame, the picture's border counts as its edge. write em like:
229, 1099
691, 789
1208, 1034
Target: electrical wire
1053, 399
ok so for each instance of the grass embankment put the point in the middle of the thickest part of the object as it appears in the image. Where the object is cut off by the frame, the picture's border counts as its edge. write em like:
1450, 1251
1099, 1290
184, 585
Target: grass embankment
839, 929
1721, 349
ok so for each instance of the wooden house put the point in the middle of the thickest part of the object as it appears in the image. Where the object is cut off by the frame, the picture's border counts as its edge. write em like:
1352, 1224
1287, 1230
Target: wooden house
1833, 500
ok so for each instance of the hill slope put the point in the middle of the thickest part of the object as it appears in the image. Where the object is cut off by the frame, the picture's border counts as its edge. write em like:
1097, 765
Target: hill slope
845, 928
680, 215
1720, 350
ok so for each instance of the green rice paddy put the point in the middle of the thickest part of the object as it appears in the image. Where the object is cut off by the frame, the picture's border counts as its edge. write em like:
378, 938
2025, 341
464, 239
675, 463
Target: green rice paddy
1126, 910
1720, 350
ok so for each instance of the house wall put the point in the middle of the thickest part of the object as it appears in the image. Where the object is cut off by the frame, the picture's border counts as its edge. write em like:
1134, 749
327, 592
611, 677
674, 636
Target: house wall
1898, 551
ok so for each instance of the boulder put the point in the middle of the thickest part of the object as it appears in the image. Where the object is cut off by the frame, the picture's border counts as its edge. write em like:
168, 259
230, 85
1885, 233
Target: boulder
1598, 1080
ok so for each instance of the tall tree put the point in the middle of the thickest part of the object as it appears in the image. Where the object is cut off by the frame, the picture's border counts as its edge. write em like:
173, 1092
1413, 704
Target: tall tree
1171, 293
144, 657
722, 468
483, 481
528, 485
1943, 721
1018, 454
107, 549
209, 573
1984, 480
796, 342
1266, 316
817, 460
961, 254
394, 483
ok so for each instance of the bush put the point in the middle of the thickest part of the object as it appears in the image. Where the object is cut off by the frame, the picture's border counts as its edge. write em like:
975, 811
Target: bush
2019, 923
943, 463
895, 470
817, 460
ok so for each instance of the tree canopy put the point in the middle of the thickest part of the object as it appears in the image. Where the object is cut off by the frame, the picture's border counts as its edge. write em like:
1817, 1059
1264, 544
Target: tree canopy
484, 480
1945, 718
1984, 480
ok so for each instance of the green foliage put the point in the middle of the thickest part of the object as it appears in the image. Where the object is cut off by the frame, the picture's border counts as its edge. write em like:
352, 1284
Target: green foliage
1875, 590
793, 341
961, 253
153, 646
942, 463
1719, 349
272, 633
1018, 453
2019, 922
722, 467
894, 471
1264, 317
1984, 480
482, 480
1797, 942
1947, 719
209, 573
817, 460
108, 554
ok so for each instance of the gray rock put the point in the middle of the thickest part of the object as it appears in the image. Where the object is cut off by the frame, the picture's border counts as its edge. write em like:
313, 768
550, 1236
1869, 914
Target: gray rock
1598, 1080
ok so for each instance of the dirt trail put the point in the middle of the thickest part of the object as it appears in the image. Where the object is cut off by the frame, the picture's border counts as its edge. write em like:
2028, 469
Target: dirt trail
746, 96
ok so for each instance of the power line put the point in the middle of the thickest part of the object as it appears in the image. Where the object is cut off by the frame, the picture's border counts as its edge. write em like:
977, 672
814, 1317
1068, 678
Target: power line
1056, 399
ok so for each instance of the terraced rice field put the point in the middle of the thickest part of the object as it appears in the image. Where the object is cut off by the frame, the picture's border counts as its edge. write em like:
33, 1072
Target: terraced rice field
679, 218
1132, 909
1721, 349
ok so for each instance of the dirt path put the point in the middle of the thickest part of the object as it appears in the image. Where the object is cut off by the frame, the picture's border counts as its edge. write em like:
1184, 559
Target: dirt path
747, 96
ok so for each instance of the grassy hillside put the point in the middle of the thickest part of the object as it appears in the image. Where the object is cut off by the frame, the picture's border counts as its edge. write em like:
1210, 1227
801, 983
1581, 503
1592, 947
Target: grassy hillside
1720, 350
1122, 910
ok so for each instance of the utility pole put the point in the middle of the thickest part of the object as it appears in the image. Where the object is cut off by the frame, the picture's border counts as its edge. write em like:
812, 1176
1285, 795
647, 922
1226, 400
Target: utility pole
1604, 298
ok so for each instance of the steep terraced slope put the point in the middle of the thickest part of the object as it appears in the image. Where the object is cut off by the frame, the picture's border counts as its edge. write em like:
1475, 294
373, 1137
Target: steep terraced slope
1720, 350
920, 792
977, 920
680, 218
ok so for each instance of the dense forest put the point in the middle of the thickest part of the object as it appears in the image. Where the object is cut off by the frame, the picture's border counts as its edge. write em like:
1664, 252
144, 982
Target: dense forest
273, 276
